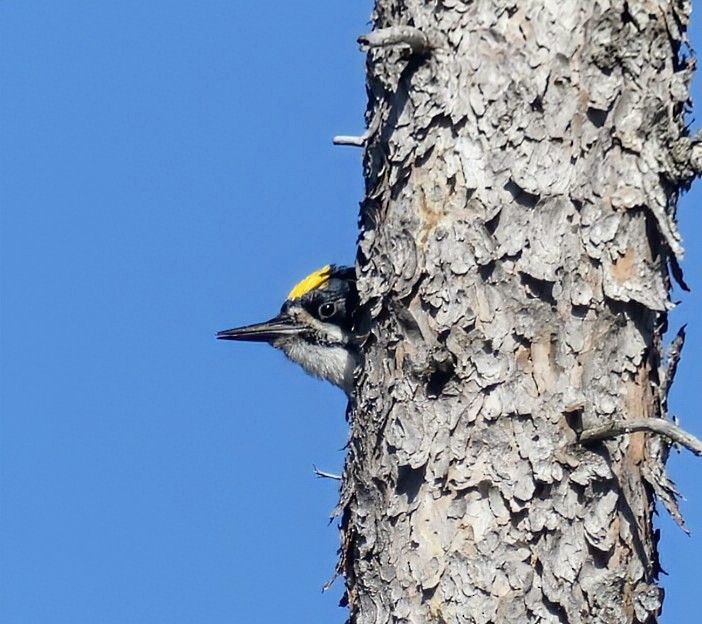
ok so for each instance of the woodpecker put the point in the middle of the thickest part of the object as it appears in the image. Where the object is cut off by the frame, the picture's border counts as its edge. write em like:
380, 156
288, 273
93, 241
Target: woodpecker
315, 327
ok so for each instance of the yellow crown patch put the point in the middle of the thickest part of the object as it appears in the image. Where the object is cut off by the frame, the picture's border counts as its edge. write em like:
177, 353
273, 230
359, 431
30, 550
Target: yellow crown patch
315, 280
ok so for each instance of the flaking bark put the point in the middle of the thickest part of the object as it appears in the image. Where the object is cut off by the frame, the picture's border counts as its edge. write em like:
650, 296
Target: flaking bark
517, 236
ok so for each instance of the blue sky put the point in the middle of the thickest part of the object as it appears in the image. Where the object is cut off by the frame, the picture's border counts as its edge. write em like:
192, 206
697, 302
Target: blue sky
167, 172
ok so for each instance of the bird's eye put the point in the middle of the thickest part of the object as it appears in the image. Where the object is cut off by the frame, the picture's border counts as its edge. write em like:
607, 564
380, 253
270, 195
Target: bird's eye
327, 310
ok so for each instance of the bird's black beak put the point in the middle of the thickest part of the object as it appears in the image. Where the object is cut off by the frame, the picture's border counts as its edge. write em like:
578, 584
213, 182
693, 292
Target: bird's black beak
279, 327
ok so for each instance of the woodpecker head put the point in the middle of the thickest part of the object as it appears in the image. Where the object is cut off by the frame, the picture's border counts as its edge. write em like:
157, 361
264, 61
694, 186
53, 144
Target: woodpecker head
315, 327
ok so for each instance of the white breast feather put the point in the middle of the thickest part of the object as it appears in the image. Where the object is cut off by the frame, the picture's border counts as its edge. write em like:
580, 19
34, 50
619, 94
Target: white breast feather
333, 363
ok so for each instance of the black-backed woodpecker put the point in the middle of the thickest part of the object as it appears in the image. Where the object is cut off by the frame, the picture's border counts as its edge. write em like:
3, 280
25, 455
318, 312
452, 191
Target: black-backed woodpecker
315, 327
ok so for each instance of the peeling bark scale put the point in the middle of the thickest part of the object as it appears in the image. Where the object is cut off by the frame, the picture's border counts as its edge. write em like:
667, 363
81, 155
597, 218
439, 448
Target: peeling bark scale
517, 236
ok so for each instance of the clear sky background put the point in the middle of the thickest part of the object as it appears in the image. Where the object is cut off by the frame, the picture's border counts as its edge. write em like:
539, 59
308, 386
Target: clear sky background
166, 171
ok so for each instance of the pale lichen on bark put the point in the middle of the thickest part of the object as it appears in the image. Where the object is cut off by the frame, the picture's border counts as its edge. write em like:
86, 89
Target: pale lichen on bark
517, 234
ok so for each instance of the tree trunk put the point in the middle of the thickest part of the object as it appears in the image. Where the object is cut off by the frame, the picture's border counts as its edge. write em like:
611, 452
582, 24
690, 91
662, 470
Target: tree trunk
522, 169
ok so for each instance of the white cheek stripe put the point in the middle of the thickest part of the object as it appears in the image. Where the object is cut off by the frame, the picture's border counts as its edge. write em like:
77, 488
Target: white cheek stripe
335, 333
